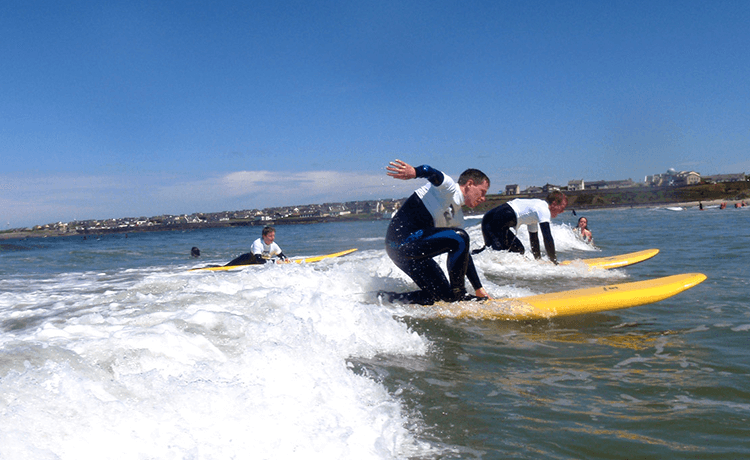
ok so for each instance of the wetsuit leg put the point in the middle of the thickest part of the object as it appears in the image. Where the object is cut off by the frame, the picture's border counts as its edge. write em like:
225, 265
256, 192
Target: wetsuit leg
415, 257
496, 230
420, 297
245, 259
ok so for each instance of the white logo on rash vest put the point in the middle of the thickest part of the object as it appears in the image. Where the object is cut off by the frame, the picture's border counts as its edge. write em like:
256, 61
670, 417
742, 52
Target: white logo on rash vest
448, 215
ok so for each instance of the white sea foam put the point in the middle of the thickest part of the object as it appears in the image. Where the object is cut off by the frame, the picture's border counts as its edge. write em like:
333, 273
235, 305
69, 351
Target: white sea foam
504, 265
204, 365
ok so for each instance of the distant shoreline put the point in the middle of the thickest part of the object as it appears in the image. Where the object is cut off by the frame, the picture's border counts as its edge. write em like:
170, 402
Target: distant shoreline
677, 204
24, 234
27, 234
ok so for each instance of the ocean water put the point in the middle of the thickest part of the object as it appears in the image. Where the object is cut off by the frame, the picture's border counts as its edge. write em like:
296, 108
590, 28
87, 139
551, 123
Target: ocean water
111, 349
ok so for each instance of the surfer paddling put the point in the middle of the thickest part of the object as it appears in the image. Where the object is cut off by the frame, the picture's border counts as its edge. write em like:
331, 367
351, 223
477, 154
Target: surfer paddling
429, 224
263, 250
534, 213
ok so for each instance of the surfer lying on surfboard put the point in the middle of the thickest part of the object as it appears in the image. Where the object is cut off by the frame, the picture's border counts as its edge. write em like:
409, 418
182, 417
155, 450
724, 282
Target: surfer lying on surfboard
429, 224
534, 213
263, 250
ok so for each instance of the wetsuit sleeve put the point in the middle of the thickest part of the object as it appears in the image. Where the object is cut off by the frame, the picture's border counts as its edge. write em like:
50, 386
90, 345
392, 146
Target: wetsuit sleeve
277, 252
534, 241
471, 273
431, 174
549, 242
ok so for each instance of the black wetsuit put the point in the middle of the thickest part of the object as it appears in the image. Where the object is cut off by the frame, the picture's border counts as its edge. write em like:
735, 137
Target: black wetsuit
247, 259
496, 225
412, 240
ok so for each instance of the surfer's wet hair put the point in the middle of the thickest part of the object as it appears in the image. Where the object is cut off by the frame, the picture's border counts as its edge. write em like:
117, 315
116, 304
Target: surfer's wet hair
475, 175
558, 198
268, 229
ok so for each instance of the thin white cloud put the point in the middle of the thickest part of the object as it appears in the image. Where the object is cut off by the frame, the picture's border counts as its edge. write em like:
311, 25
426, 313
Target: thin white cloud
39, 199
273, 188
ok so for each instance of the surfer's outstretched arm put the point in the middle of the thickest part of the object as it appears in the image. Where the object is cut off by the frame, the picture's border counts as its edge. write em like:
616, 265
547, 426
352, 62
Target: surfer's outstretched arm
549, 242
399, 169
473, 276
534, 240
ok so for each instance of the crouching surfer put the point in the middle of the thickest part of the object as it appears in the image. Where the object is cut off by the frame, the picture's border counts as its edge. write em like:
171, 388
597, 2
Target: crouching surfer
429, 224
263, 250
534, 213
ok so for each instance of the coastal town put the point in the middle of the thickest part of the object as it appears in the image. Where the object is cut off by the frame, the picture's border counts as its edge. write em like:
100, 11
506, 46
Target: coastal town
672, 186
298, 214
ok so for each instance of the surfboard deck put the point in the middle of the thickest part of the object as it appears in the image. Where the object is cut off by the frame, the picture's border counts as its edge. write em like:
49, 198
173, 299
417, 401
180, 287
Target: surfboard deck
327, 256
617, 261
575, 302
305, 260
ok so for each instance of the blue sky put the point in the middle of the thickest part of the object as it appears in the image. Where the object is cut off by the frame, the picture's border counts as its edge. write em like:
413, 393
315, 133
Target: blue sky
127, 109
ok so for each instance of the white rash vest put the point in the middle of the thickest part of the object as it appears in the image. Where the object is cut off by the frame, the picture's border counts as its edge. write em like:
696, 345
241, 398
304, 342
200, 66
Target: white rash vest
443, 202
530, 212
264, 250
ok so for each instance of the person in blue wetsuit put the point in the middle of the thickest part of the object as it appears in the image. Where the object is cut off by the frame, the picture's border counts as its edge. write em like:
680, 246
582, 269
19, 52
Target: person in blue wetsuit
536, 214
428, 224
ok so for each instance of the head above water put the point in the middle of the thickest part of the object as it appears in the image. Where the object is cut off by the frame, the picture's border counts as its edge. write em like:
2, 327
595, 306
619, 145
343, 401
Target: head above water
474, 186
269, 234
268, 229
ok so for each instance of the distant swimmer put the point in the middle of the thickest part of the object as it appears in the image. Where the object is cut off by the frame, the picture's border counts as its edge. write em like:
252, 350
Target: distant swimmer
534, 213
429, 224
263, 250
583, 231
195, 252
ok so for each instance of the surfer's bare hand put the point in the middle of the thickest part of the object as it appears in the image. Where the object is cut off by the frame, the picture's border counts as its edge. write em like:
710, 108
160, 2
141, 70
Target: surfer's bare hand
401, 170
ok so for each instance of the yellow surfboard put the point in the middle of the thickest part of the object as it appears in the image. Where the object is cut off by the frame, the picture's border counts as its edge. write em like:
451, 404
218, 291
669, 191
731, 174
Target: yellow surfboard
575, 302
299, 261
327, 256
618, 261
